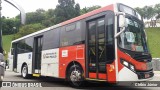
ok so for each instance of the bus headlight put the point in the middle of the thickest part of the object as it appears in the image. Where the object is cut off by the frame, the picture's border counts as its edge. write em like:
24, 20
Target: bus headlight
128, 65
125, 63
132, 67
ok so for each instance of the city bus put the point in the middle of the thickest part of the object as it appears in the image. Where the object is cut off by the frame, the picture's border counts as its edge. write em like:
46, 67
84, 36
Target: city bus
107, 44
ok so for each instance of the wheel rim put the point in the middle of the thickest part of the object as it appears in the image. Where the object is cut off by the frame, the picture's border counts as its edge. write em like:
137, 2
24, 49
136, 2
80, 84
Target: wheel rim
76, 77
24, 72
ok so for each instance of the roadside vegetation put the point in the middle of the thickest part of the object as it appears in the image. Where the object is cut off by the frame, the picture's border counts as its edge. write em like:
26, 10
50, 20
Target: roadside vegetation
7, 43
153, 38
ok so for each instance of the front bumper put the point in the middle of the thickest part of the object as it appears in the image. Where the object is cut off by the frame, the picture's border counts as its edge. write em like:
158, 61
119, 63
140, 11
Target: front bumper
145, 74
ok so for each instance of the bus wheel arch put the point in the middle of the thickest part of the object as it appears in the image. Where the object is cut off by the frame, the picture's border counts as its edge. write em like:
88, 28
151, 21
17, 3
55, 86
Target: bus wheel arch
71, 69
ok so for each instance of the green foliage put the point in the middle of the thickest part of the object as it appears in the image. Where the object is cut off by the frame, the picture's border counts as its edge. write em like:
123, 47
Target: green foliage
46, 18
7, 43
146, 12
157, 10
35, 17
49, 18
88, 9
153, 41
141, 11
150, 12
8, 24
28, 29
65, 10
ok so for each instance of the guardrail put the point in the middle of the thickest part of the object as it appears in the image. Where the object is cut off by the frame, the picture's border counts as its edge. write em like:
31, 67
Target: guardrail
156, 64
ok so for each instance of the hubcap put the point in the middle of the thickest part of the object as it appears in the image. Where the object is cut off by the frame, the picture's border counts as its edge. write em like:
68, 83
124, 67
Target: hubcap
24, 72
76, 77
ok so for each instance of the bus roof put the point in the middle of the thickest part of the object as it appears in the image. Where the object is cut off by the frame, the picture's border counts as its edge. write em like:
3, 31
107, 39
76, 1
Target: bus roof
109, 7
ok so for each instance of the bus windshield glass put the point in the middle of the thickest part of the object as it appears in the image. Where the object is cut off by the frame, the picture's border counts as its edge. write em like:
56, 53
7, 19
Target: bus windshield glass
133, 38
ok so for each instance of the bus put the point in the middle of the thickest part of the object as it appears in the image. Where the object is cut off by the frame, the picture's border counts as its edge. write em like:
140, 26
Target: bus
107, 44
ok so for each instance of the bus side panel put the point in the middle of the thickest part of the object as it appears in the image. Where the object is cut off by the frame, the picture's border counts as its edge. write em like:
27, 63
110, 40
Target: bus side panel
24, 58
50, 63
70, 54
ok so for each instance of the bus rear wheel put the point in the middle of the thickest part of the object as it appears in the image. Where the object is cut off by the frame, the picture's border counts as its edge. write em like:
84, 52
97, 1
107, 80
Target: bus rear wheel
24, 72
75, 76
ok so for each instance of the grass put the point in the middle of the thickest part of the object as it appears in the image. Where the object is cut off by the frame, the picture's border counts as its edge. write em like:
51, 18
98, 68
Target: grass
153, 36
7, 43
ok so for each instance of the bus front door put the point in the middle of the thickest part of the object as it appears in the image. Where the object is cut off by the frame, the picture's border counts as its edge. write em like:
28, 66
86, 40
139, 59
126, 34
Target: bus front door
37, 55
96, 49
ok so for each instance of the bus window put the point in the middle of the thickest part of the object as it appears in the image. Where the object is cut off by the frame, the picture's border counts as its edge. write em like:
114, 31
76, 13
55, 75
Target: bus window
110, 49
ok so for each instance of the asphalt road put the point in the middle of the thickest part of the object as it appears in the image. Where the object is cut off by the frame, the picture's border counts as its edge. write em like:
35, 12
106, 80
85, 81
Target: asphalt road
58, 84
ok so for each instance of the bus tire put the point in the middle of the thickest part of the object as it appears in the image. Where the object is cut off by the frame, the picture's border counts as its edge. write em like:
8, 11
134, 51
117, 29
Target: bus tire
24, 72
75, 76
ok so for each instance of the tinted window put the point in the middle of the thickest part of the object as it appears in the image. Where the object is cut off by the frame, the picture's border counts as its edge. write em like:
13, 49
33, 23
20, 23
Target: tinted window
101, 39
51, 39
21, 47
24, 46
29, 44
71, 34
92, 45
110, 49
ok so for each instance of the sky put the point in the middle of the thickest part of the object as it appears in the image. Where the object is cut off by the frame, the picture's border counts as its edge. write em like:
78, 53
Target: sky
33, 5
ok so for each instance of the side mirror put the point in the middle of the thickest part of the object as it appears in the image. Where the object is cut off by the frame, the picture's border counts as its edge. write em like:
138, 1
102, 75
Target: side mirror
122, 21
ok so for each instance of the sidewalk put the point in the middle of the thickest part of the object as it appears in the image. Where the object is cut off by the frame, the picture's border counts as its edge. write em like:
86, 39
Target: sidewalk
156, 76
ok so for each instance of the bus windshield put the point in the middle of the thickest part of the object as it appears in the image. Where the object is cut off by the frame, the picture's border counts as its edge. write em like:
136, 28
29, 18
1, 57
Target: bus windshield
133, 38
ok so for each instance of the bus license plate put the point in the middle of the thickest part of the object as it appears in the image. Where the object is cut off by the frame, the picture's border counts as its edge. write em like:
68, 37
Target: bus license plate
147, 75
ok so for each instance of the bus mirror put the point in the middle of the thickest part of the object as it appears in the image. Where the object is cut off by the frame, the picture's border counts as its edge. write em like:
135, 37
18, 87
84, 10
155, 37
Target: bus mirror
121, 21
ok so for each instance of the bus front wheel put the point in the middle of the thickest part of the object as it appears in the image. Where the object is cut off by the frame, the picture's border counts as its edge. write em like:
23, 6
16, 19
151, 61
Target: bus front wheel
75, 76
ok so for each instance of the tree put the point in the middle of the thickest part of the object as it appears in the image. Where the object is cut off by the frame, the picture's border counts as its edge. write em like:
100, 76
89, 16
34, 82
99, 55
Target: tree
65, 10
150, 13
35, 17
8, 24
157, 10
28, 29
88, 9
141, 11
49, 15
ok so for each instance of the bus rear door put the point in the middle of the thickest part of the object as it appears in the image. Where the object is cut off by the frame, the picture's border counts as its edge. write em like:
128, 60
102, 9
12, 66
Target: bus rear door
36, 70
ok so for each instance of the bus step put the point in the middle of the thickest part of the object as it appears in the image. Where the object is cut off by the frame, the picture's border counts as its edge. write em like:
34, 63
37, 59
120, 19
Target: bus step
36, 75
